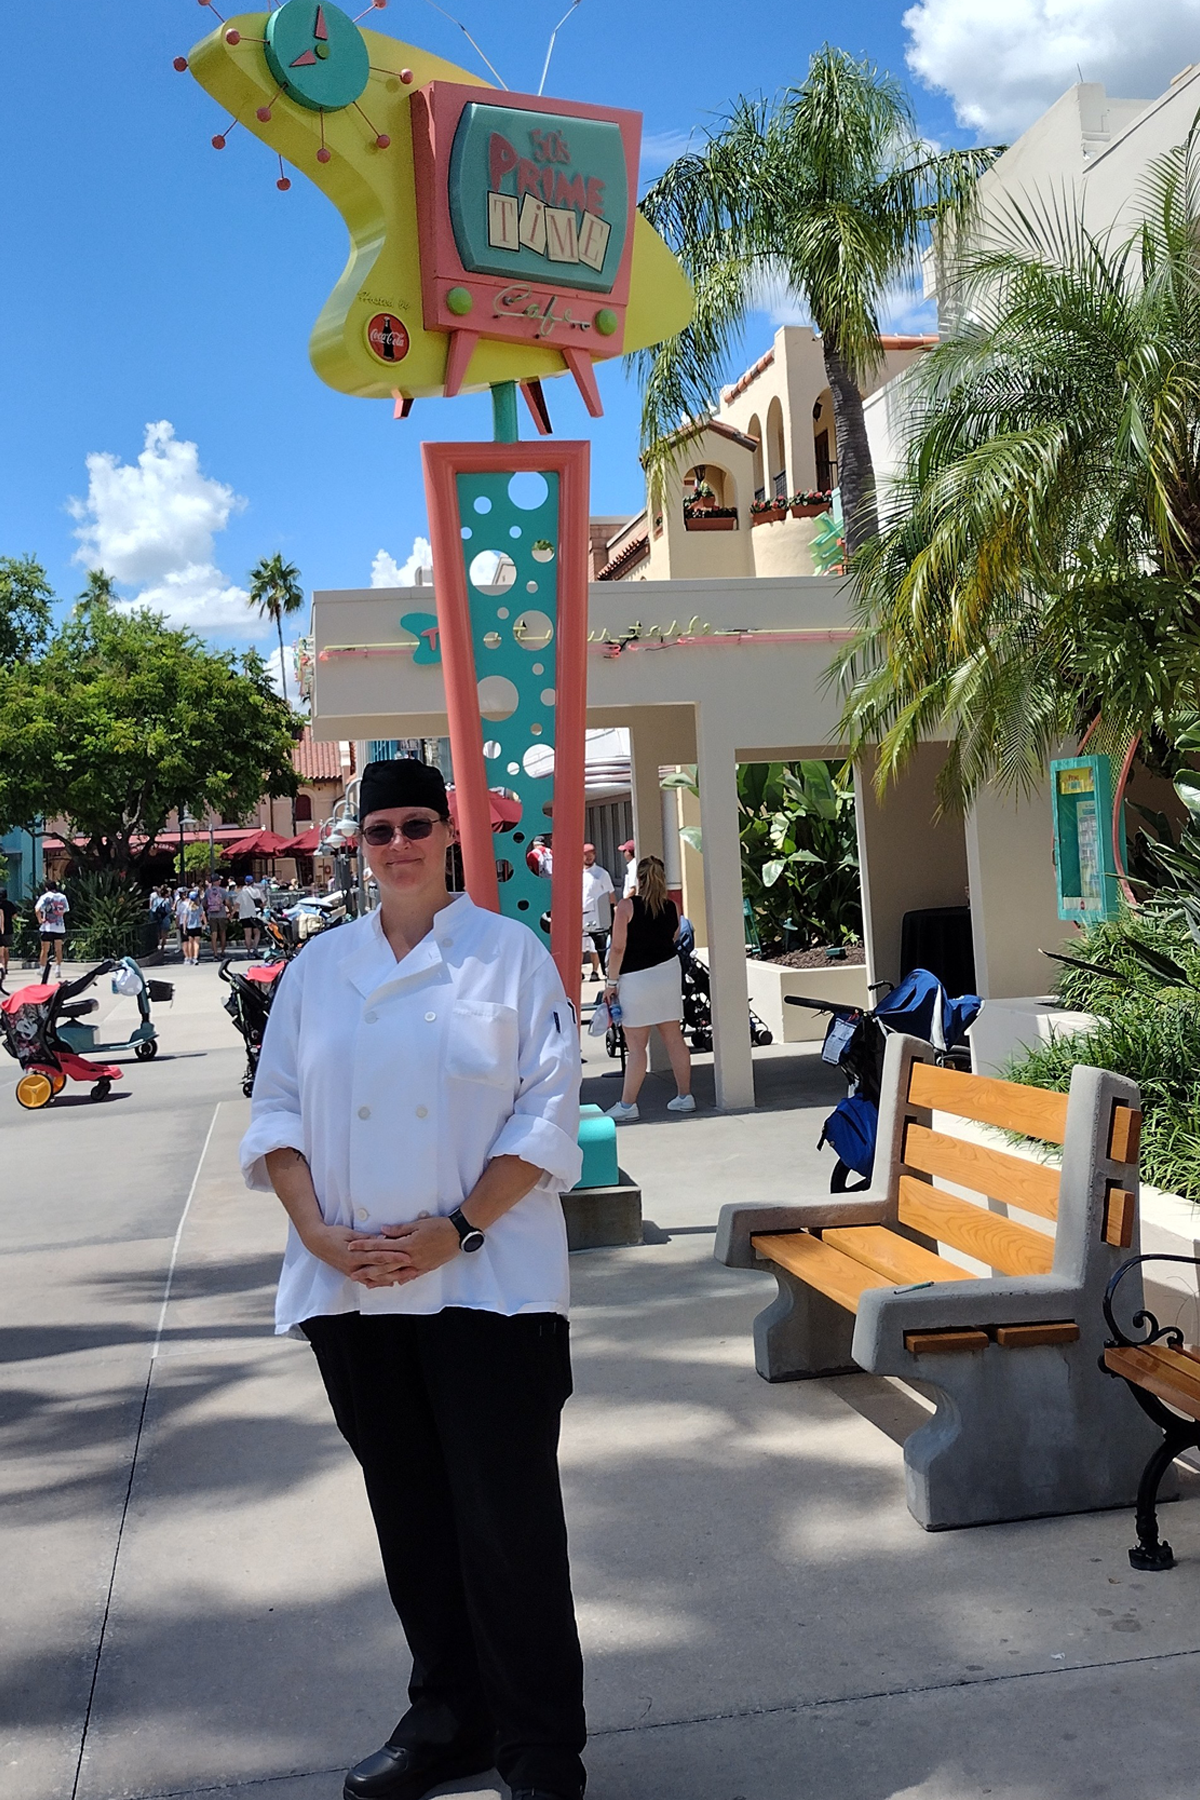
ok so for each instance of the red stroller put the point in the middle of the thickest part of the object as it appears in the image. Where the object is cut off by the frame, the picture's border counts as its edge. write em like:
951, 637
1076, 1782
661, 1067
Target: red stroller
28, 1024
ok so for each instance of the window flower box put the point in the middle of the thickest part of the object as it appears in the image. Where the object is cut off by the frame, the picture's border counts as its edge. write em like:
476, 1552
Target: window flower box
765, 512
810, 505
711, 518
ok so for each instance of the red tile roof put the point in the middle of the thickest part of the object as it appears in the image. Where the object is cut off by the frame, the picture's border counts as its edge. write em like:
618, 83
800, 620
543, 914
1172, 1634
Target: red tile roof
315, 761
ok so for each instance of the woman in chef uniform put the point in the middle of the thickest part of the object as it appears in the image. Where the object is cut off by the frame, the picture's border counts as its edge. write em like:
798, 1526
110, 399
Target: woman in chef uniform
416, 1110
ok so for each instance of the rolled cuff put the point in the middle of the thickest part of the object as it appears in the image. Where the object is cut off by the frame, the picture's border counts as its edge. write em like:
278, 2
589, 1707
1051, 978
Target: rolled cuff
539, 1142
278, 1131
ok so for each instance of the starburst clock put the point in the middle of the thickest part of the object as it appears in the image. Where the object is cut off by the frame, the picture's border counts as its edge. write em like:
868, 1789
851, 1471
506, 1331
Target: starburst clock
494, 242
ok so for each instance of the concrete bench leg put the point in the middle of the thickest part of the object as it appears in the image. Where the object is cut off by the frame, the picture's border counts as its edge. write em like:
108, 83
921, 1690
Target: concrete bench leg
1021, 1434
802, 1334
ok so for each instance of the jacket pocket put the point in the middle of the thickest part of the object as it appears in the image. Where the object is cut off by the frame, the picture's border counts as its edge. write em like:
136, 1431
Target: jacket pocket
483, 1044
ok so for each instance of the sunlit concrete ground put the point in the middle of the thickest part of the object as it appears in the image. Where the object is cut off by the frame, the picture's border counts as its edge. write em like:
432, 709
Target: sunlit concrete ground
189, 1587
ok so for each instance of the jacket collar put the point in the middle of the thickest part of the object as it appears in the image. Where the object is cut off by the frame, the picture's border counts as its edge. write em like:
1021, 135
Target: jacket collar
370, 965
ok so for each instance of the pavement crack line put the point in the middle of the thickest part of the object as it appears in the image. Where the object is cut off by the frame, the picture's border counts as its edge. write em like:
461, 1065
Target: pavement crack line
720, 1718
137, 1444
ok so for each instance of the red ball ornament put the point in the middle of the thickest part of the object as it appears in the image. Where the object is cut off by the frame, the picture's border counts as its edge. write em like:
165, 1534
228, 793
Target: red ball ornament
233, 37
218, 142
283, 184
180, 63
383, 140
406, 76
264, 113
323, 154
381, 3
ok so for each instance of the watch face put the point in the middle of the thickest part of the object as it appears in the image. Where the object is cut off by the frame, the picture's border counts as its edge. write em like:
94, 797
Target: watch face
317, 54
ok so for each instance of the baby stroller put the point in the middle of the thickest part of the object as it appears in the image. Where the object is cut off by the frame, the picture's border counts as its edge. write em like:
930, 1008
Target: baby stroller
249, 1005
855, 1041
697, 1002
29, 1022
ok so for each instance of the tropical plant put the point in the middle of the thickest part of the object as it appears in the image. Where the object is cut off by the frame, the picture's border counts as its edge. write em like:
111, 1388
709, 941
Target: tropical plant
108, 915
124, 719
1038, 576
830, 190
25, 601
276, 593
799, 851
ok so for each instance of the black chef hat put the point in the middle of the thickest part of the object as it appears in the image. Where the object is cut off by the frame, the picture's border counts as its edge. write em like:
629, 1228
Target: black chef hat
403, 782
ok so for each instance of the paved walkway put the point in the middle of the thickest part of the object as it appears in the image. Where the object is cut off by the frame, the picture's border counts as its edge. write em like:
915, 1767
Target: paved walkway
191, 1593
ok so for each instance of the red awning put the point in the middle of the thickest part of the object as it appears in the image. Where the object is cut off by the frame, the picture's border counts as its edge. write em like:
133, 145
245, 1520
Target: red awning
304, 845
257, 843
504, 810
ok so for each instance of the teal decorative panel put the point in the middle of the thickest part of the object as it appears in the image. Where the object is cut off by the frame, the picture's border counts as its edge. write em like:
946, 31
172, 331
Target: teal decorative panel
510, 545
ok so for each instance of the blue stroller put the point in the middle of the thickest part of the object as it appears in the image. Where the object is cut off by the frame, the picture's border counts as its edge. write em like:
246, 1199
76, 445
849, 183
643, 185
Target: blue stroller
854, 1042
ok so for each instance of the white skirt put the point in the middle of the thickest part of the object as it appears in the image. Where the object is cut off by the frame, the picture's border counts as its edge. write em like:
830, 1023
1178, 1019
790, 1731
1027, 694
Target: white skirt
652, 996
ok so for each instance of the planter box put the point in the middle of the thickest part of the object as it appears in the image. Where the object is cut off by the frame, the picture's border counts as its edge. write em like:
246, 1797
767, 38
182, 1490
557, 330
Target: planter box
706, 522
600, 1218
768, 517
809, 512
839, 984
1006, 1027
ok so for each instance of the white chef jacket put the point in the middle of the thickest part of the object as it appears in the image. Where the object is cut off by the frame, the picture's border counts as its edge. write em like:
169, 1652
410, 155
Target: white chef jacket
399, 1081
597, 898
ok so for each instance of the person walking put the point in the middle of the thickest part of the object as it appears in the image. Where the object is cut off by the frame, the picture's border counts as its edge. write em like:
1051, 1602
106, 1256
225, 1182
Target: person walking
416, 1111
8, 913
629, 852
249, 911
51, 911
597, 909
217, 913
191, 925
645, 977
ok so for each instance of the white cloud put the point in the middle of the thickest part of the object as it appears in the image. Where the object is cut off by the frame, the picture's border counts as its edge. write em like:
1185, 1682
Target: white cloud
152, 525
660, 148
386, 572
902, 308
1004, 65
293, 684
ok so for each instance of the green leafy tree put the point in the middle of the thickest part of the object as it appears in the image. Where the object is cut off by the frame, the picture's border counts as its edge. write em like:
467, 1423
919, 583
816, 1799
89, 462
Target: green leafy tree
25, 601
1039, 576
830, 189
276, 593
125, 718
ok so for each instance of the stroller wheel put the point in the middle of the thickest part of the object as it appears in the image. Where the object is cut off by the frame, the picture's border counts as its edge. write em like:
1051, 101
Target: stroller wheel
147, 1050
58, 1082
35, 1090
102, 1090
248, 1087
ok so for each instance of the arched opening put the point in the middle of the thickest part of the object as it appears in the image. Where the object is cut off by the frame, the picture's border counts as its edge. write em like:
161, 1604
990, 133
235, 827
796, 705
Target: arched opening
709, 492
824, 443
754, 430
776, 459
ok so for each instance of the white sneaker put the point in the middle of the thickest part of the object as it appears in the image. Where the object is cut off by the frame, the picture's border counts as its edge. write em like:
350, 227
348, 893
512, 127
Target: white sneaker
682, 1103
624, 1115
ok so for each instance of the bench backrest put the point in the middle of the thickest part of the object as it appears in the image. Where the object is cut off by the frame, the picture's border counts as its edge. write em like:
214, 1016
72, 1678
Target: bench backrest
1092, 1200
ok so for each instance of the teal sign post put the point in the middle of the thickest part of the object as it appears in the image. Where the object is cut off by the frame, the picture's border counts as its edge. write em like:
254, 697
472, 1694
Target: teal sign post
1084, 856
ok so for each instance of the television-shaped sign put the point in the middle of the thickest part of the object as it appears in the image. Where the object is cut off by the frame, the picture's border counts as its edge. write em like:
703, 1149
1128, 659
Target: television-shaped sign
1084, 858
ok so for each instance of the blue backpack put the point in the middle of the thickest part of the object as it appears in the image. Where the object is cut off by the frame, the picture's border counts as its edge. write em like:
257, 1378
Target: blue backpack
851, 1128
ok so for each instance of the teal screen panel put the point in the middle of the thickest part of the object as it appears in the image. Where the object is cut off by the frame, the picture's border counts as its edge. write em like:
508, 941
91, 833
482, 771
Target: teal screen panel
510, 545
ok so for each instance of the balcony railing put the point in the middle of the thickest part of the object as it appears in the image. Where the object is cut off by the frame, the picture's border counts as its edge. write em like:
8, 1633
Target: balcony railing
780, 482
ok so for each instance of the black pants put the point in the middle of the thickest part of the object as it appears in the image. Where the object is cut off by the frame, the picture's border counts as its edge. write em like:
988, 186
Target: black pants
454, 1417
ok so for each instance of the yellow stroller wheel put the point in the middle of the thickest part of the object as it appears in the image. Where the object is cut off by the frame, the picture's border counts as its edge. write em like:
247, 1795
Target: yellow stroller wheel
35, 1089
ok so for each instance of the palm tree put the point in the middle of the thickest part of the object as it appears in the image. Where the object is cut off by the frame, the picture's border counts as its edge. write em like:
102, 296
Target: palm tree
276, 593
1039, 577
830, 189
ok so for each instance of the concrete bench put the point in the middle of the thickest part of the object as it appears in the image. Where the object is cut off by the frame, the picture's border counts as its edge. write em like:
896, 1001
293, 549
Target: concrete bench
1026, 1423
1163, 1375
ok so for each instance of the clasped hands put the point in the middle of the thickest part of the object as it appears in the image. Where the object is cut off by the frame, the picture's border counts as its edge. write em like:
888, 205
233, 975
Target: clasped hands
395, 1255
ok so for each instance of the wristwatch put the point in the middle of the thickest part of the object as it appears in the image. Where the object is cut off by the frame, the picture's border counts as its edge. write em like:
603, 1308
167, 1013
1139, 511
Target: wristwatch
470, 1238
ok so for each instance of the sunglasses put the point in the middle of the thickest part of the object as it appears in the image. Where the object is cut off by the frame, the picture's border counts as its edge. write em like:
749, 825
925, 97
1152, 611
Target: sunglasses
412, 829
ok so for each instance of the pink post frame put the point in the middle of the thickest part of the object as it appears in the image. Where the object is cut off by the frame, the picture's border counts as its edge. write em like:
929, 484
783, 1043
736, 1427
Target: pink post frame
442, 463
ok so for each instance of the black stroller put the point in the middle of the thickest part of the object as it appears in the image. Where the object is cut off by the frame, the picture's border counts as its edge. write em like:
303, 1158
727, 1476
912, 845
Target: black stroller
855, 1041
697, 1003
249, 1005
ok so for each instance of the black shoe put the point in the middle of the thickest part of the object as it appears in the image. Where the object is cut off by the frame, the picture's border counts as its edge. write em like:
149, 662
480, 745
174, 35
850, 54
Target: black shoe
404, 1772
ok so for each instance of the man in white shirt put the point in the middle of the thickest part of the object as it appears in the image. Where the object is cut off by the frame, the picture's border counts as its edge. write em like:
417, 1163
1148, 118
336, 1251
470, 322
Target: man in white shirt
416, 1109
629, 852
597, 909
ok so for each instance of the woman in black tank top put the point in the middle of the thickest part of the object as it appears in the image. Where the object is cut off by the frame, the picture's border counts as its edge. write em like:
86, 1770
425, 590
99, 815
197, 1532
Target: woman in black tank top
649, 989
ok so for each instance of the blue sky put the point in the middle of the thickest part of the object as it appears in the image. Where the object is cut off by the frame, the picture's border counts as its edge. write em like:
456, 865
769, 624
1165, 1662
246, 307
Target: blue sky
151, 279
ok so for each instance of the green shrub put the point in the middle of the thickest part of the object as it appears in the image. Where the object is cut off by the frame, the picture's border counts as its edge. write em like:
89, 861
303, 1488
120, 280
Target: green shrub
107, 917
1148, 1028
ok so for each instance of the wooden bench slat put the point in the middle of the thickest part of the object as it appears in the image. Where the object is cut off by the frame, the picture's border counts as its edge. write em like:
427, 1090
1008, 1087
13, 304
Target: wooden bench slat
839, 1277
902, 1261
1029, 1185
1038, 1112
996, 1241
1120, 1214
932, 1343
1125, 1133
1171, 1375
1027, 1337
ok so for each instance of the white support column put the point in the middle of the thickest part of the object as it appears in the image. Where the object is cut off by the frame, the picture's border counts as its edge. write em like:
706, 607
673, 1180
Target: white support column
716, 756
1014, 900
